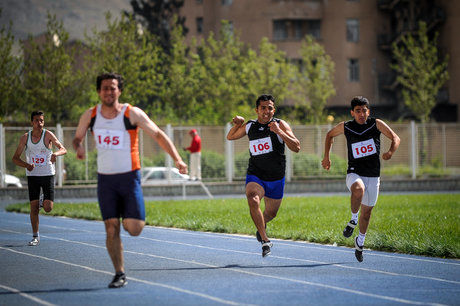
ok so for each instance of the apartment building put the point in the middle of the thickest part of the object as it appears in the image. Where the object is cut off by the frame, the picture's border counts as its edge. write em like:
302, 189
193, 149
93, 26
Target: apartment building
357, 34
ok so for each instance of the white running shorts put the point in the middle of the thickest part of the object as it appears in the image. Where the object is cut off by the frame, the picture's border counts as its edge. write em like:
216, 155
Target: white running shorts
371, 187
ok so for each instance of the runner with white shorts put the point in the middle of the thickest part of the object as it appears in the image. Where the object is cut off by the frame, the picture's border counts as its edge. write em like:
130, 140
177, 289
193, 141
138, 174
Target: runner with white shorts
363, 173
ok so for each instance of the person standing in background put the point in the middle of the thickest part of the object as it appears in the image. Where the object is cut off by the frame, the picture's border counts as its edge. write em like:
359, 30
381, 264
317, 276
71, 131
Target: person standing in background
195, 155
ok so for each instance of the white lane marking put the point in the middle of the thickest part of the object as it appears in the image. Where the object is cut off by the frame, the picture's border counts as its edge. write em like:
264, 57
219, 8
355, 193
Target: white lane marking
273, 256
389, 298
209, 297
296, 244
27, 296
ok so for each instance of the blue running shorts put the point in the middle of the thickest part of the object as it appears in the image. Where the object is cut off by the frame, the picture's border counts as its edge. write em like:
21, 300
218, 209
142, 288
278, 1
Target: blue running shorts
273, 189
120, 195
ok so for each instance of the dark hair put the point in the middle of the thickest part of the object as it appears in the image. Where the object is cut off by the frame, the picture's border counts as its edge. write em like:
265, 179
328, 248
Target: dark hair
359, 101
109, 76
36, 113
264, 98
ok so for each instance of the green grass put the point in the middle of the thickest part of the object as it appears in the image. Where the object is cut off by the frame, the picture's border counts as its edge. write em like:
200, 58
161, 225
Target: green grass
427, 224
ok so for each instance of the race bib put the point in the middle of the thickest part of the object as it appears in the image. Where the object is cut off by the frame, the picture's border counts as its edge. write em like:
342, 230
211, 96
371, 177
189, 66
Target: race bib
363, 148
39, 160
108, 139
260, 146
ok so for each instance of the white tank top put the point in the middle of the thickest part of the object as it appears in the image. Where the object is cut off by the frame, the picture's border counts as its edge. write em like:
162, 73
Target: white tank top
117, 147
39, 155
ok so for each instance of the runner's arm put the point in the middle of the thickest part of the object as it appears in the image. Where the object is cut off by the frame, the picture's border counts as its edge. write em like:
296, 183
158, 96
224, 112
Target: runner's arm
61, 150
238, 129
335, 131
17, 155
390, 134
285, 132
82, 127
139, 117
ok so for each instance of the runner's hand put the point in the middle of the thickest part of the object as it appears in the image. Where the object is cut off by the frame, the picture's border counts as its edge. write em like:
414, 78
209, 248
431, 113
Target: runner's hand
238, 120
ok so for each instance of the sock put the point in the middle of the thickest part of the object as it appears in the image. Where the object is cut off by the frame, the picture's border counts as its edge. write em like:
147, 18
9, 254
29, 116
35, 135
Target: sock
354, 217
361, 238
36, 235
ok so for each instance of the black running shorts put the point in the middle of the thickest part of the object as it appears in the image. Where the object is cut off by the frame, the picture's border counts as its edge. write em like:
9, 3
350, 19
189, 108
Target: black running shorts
44, 182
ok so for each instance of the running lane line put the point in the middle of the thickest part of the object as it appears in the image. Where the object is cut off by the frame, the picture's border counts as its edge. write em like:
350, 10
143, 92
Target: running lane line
27, 296
258, 254
205, 296
325, 286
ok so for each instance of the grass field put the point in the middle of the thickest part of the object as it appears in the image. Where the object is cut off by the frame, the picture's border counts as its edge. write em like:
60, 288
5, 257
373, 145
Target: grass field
427, 224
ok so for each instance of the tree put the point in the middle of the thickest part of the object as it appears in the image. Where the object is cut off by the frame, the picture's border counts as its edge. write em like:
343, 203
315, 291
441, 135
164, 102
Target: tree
315, 79
51, 81
420, 72
158, 17
133, 53
10, 69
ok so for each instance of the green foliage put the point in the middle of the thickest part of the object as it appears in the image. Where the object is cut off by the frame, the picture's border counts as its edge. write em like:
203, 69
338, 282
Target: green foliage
10, 69
50, 78
135, 55
308, 165
314, 219
420, 71
315, 79
75, 168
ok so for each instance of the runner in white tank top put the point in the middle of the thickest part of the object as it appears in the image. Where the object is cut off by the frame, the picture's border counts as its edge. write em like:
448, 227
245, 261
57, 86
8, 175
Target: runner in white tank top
39, 165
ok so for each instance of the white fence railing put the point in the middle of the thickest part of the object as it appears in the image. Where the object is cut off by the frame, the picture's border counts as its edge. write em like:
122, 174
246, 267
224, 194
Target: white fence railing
430, 149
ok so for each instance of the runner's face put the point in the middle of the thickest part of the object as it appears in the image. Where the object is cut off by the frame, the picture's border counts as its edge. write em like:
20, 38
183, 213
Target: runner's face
38, 122
109, 92
360, 114
265, 111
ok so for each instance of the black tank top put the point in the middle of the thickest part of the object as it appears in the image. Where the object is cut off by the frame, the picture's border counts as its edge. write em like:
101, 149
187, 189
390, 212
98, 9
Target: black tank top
363, 143
267, 160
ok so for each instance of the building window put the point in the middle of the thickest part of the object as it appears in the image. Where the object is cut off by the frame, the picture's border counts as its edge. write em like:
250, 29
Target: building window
353, 30
227, 2
295, 29
199, 25
353, 70
314, 28
279, 30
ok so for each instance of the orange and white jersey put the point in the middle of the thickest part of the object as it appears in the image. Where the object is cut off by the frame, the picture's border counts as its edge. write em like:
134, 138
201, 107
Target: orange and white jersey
116, 140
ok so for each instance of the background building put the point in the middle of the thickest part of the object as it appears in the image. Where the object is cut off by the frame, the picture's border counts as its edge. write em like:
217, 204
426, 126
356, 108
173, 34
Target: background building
357, 34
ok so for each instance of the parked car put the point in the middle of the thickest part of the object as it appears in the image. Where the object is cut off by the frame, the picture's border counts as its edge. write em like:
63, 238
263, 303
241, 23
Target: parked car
12, 181
158, 175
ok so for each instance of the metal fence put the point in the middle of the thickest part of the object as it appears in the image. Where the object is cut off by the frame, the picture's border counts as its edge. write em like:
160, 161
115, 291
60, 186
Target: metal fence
426, 150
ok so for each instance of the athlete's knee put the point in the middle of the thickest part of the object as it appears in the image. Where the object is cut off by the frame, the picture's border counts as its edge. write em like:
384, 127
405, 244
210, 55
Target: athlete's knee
253, 200
133, 228
270, 214
357, 190
112, 228
48, 205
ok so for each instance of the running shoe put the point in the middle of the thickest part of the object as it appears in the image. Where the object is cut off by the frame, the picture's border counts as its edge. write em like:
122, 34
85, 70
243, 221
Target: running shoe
349, 229
266, 245
119, 280
34, 242
358, 250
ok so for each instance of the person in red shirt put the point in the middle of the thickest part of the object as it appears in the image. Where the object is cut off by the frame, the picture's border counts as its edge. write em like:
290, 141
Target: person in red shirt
195, 155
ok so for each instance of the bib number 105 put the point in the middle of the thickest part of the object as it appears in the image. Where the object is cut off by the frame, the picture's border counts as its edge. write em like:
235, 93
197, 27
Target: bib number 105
363, 148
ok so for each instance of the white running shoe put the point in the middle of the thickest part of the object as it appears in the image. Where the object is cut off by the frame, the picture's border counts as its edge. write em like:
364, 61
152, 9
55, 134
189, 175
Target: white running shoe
34, 242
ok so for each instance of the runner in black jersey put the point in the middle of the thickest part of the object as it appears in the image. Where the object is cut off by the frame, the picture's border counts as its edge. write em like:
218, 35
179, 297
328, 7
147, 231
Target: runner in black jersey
267, 163
363, 174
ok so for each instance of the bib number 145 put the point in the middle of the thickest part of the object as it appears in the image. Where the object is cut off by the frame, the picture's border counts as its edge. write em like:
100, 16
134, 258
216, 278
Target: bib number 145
108, 139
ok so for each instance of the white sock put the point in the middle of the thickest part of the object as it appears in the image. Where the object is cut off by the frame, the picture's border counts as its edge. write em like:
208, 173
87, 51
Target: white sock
361, 238
354, 217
